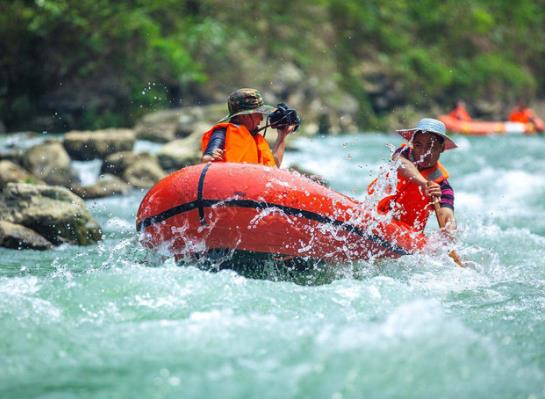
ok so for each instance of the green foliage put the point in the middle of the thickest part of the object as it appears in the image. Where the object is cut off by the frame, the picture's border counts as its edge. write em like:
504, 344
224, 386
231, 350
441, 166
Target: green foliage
85, 58
103, 62
493, 74
423, 70
439, 50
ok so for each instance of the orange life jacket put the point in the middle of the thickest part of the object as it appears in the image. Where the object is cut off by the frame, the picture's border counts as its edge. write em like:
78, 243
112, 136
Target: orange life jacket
241, 146
460, 113
411, 206
522, 115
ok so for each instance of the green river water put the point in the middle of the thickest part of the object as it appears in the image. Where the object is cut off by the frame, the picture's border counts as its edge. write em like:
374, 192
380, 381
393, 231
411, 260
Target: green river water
99, 322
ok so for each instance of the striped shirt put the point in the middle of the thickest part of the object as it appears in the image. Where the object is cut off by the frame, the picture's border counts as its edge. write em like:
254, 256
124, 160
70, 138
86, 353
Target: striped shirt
447, 195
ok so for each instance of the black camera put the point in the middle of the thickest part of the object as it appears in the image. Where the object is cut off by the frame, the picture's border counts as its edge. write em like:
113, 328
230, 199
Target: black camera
284, 116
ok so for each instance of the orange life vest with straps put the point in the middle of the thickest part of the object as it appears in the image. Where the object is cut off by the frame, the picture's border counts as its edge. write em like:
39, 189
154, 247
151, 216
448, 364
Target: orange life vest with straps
522, 115
410, 204
241, 145
460, 113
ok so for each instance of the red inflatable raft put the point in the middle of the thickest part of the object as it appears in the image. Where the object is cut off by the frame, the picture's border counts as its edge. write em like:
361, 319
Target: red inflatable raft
482, 128
262, 210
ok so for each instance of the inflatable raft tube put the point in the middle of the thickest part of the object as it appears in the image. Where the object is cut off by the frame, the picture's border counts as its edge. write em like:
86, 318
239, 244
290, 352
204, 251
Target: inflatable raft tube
260, 210
482, 128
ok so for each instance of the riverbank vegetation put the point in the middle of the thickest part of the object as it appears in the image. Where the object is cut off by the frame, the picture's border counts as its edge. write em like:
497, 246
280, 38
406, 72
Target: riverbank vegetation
94, 63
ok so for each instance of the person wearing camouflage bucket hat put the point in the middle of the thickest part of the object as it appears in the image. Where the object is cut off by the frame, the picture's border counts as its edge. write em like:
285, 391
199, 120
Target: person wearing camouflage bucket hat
246, 101
236, 138
421, 179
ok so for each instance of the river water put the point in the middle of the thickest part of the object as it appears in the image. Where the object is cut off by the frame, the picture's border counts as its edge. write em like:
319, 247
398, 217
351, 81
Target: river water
98, 322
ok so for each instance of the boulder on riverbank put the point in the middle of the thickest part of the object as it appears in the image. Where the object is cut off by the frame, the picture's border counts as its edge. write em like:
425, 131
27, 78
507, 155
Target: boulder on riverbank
177, 154
53, 212
13, 173
12, 155
167, 125
159, 127
198, 119
106, 186
16, 236
139, 170
182, 152
88, 145
50, 162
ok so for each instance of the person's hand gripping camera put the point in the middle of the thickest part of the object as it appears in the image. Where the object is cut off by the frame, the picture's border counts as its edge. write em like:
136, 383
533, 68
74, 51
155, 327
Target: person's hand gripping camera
284, 119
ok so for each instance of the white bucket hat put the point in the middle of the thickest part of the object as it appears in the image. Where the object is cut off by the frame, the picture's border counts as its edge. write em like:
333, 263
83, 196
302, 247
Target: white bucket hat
429, 125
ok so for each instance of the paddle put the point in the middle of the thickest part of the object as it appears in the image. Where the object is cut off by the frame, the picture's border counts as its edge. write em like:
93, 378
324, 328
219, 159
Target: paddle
452, 253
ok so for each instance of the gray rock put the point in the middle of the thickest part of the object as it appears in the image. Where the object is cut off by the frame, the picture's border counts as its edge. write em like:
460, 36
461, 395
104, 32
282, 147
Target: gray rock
2, 127
176, 155
87, 145
106, 186
117, 163
158, 126
159, 133
144, 174
16, 236
180, 153
167, 125
139, 170
11, 173
168, 116
54, 212
50, 162
285, 79
197, 120
323, 106
14, 155
186, 124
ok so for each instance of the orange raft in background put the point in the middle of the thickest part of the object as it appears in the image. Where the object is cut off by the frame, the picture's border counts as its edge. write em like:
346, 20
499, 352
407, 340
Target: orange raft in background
263, 210
482, 128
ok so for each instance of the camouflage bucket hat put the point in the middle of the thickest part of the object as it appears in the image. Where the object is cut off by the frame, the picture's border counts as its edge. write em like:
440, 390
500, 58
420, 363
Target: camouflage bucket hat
246, 101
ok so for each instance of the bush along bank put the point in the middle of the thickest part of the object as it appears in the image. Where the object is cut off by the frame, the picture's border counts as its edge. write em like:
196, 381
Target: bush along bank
107, 63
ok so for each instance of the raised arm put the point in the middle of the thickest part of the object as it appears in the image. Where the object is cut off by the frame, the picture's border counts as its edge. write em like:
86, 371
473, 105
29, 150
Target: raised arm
280, 145
409, 171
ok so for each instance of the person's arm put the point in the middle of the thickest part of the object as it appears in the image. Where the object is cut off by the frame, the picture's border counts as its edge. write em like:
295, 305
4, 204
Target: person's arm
446, 210
408, 170
535, 120
446, 216
215, 148
443, 193
217, 155
280, 145
411, 173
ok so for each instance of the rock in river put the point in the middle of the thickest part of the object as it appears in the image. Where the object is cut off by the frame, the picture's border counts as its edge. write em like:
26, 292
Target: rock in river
54, 212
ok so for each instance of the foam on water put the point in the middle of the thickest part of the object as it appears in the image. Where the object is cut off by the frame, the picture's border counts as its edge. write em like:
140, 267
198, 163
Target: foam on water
108, 321
88, 171
147, 146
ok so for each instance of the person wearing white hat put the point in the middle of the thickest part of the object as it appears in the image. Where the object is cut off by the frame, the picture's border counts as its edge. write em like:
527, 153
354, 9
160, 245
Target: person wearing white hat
421, 179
